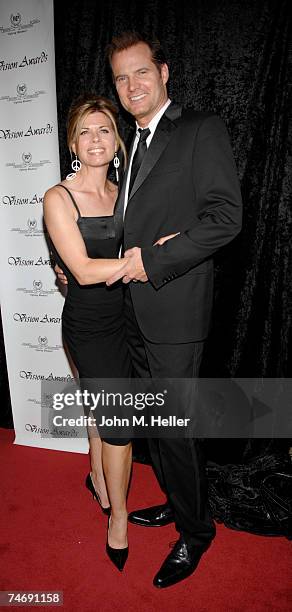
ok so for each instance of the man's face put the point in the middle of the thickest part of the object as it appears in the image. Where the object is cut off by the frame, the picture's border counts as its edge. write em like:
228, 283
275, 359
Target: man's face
140, 85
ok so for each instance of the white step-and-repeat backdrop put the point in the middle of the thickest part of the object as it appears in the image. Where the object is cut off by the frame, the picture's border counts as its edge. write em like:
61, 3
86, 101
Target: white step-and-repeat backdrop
31, 303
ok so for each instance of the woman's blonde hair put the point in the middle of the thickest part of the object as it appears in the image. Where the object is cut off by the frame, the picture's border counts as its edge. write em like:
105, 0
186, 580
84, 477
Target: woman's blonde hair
84, 106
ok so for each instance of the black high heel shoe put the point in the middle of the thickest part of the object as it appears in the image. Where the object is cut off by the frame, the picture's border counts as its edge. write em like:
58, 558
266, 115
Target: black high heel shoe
90, 487
118, 556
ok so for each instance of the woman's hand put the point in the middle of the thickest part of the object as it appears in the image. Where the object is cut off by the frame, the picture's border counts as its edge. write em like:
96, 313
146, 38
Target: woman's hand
60, 274
163, 239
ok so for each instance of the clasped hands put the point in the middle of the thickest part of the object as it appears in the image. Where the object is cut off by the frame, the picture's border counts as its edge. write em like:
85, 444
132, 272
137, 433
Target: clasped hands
133, 269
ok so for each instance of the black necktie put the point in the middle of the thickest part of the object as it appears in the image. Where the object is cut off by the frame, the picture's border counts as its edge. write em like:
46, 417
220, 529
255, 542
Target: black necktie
138, 157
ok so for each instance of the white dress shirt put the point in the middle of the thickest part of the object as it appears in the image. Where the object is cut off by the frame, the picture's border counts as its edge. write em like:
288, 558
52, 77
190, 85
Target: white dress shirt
152, 127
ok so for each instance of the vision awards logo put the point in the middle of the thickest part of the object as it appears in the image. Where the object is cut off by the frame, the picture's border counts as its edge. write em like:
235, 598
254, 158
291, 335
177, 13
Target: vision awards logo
24, 317
42, 345
15, 20
27, 163
30, 231
22, 94
37, 285
21, 90
38, 289
30, 375
35, 429
16, 25
24, 62
9, 134
18, 261
26, 158
45, 401
13, 200
46, 432
31, 224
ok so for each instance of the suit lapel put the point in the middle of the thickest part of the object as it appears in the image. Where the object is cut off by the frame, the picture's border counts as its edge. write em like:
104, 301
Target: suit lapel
159, 142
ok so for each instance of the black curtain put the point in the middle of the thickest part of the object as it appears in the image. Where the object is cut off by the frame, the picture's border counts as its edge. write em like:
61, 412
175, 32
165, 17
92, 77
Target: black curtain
230, 57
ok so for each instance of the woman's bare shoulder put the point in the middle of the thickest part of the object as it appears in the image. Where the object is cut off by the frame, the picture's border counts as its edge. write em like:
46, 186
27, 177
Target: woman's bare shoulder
55, 196
54, 192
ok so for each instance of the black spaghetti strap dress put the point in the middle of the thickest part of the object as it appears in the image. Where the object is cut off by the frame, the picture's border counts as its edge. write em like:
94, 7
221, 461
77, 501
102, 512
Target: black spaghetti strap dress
93, 322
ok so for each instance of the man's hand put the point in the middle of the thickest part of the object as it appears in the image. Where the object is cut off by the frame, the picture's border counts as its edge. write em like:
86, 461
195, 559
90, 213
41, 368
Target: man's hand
60, 274
133, 270
164, 239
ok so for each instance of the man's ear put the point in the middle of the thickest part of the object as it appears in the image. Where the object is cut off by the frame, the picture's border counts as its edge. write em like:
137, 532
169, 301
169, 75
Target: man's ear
164, 73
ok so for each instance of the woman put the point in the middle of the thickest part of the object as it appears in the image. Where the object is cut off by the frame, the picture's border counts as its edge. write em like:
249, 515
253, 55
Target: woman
85, 227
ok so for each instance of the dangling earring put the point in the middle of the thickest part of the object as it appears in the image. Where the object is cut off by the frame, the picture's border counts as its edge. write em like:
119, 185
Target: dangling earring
76, 166
116, 165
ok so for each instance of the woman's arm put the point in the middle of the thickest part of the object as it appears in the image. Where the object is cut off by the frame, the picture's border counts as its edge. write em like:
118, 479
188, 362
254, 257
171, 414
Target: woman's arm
69, 243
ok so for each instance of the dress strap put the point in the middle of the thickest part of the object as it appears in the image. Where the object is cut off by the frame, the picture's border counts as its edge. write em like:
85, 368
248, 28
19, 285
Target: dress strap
70, 194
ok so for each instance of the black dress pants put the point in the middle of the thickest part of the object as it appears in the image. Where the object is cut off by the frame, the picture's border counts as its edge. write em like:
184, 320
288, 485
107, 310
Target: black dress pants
178, 462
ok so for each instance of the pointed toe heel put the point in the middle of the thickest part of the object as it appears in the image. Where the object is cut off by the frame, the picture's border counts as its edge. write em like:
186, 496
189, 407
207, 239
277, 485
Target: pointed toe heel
90, 487
118, 556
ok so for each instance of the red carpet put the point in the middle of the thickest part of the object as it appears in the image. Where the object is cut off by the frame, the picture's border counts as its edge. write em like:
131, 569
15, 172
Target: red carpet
53, 538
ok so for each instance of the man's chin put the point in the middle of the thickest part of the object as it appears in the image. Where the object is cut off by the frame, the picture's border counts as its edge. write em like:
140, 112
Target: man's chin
137, 109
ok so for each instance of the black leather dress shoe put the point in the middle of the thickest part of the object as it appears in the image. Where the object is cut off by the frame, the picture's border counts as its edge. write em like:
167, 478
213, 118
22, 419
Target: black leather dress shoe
179, 564
156, 516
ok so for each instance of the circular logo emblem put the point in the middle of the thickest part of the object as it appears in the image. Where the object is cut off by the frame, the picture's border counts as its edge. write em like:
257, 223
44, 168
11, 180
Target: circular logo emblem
21, 89
15, 20
31, 224
26, 158
37, 285
43, 340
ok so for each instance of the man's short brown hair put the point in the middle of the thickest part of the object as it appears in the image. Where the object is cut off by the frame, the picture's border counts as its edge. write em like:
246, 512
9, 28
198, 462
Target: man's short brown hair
125, 40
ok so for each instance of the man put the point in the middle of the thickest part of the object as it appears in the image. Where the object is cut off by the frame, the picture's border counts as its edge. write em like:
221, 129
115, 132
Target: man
181, 178
180, 183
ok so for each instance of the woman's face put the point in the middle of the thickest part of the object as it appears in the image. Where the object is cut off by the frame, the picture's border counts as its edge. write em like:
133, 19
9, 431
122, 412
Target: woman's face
96, 144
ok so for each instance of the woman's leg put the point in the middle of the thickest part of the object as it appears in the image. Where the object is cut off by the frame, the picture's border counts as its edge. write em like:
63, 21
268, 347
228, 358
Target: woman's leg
97, 475
117, 463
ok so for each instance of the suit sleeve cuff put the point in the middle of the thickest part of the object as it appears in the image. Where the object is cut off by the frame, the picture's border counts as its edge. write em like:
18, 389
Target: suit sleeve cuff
159, 272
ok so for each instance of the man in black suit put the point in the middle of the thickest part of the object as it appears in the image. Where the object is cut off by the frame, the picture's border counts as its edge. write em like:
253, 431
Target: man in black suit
181, 183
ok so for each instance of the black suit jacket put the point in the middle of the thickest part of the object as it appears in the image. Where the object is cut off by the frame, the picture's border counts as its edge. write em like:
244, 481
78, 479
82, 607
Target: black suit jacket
187, 183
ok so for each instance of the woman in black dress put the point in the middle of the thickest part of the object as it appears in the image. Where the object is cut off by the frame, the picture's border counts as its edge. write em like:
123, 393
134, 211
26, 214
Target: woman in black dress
85, 227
